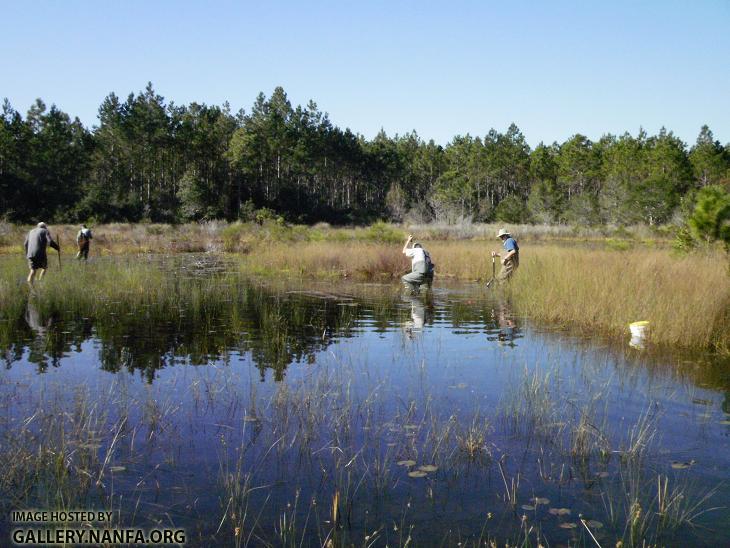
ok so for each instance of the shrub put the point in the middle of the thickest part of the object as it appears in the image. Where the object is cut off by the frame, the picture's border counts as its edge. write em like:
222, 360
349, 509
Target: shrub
683, 241
617, 245
710, 219
233, 236
511, 210
384, 232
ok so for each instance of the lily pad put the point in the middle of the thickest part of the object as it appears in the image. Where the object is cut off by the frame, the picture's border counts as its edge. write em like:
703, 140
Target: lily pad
541, 500
117, 468
528, 507
406, 463
568, 525
417, 474
593, 524
428, 468
250, 418
559, 511
682, 465
726, 422
602, 474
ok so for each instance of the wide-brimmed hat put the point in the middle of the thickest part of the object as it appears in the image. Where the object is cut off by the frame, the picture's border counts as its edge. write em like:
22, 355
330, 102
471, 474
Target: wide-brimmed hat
503, 232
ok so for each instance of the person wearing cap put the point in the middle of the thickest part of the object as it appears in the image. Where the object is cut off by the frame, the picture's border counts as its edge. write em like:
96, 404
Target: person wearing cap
83, 240
511, 259
35, 246
421, 266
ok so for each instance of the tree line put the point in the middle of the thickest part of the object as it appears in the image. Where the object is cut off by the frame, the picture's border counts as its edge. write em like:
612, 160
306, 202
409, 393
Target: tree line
153, 160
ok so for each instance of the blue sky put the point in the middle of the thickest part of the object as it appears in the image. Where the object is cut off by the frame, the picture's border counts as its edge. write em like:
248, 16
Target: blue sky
555, 68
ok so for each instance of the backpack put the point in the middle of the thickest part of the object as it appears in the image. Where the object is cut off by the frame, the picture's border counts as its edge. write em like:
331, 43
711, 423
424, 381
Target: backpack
430, 266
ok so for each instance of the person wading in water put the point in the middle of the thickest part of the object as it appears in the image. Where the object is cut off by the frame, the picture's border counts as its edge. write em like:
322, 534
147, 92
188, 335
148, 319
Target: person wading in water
422, 269
511, 259
35, 245
83, 240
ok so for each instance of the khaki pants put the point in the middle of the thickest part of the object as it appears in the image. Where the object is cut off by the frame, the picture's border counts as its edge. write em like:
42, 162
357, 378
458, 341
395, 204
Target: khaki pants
508, 268
413, 280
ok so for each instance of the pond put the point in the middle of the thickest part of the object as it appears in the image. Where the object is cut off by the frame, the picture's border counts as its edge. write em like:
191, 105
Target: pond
324, 413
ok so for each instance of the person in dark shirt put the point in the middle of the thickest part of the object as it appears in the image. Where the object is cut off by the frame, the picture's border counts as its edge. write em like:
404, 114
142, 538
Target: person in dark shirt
35, 245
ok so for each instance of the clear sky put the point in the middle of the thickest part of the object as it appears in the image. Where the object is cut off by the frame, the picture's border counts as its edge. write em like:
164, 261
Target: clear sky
553, 67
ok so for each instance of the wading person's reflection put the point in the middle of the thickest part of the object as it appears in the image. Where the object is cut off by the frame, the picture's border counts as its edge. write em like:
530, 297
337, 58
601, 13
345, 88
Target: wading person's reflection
40, 334
420, 307
503, 318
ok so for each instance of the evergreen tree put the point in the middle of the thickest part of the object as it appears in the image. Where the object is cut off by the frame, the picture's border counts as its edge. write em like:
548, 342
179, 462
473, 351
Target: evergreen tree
710, 161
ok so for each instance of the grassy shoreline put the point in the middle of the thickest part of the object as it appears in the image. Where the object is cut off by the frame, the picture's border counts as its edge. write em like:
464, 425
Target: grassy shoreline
585, 281
220, 236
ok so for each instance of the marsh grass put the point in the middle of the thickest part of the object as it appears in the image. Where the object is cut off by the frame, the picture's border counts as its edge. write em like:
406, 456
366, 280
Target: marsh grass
61, 455
592, 284
645, 508
685, 298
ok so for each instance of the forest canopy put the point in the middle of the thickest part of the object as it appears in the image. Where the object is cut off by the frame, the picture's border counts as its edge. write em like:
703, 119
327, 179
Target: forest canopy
152, 160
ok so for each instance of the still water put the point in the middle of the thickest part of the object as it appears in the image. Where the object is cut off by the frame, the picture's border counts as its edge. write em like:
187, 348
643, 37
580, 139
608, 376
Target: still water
305, 412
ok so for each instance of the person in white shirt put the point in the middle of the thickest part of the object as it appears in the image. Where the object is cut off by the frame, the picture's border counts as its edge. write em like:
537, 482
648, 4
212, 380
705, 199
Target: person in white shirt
421, 266
83, 240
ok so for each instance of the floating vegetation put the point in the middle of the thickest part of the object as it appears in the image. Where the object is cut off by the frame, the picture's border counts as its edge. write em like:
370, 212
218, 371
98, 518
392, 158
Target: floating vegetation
428, 468
559, 511
406, 463
417, 474
678, 465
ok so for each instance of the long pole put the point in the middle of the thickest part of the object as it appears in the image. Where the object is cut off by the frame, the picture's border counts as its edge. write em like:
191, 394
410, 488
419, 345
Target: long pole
490, 282
59, 252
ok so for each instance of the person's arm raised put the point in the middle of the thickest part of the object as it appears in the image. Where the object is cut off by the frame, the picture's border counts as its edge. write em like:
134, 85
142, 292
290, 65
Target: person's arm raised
405, 247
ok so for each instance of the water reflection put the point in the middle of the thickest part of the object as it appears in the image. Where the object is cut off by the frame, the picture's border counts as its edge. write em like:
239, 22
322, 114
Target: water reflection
275, 328
507, 325
39, 328
422, 308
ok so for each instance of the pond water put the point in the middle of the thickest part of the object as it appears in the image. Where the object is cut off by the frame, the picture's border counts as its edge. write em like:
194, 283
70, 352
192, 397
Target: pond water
306, 412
